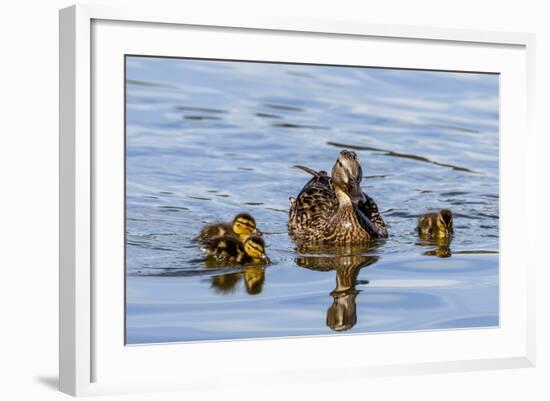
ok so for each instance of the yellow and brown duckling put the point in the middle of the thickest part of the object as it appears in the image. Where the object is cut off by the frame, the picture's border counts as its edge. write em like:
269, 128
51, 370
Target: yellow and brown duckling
228, 249
334, 209
436, 224
240, 228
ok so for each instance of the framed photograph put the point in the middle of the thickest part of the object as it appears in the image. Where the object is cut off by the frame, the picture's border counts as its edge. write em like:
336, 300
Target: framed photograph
294, 200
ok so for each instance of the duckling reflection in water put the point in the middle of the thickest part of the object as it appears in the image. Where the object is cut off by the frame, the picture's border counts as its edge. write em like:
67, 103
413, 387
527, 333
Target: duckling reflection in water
342, 314
436, 225
225, 283
442, 248
227, 249
242, 226
254, 277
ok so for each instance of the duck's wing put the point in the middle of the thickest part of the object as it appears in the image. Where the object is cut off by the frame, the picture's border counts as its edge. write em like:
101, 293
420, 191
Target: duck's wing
314, 205
374, 223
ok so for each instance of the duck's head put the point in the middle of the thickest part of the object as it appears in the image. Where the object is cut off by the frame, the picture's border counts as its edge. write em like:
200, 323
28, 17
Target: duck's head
254, 246
244, 225
347, 175
445, 222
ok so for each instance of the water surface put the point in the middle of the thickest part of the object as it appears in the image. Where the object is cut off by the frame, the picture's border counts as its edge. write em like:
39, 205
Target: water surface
208, 139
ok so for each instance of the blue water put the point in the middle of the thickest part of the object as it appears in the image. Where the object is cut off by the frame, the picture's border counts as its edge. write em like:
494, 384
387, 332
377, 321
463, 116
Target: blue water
208, 139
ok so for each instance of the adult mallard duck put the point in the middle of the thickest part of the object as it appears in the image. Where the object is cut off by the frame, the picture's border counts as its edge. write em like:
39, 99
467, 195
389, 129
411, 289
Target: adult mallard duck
334, 210
228, 249
240, 228
436, 225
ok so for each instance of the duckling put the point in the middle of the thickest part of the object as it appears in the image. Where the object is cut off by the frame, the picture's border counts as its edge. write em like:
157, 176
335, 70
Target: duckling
436, 225
228, 249
333, 209
241, 227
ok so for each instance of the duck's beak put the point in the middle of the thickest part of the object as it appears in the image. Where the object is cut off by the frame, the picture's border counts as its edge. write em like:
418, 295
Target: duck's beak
355, 192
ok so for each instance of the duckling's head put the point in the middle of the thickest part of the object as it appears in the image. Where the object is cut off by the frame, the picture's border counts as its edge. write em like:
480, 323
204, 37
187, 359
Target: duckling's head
254, 247
347, 175
445, 222
244, 225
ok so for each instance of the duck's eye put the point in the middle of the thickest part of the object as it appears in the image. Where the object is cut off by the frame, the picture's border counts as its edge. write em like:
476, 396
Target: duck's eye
243, 225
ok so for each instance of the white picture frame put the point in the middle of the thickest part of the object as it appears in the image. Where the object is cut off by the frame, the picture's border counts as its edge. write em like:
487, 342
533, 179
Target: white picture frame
89, 342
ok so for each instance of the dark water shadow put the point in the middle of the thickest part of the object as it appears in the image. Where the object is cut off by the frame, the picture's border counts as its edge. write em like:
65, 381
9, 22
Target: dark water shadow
200, 118
282, 107
476, 252
391, 153
300, 74
456, 128
299, 126
153, 84
201, 109
268, 115
172, 208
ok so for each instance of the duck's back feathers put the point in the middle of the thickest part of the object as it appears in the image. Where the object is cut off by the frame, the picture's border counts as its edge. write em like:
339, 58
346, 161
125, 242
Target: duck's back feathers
313, 206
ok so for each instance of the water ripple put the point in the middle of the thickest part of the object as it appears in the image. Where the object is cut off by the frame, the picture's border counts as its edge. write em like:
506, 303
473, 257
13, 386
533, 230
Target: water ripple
402, 155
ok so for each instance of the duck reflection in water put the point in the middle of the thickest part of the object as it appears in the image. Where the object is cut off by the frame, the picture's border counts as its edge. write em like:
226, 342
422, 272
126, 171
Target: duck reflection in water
347, 262
226, 284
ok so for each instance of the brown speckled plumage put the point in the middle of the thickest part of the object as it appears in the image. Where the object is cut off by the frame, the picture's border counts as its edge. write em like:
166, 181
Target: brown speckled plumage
338, 213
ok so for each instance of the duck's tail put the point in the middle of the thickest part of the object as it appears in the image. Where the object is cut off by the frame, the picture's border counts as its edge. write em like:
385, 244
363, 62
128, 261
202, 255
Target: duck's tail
311, 171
